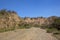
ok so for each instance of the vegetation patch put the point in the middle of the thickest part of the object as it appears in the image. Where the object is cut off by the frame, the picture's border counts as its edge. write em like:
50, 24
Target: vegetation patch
7, 29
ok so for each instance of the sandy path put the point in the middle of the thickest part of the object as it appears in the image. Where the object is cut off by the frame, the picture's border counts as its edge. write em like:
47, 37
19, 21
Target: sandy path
27, 34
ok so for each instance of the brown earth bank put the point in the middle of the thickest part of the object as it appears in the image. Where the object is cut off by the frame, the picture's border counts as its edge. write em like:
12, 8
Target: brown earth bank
27, 34
10, 20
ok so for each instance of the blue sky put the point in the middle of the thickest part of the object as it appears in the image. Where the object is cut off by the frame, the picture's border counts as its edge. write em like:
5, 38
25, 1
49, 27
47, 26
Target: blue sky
32, 8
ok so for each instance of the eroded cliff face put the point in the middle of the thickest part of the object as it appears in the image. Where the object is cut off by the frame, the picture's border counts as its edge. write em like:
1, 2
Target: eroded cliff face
9, 19
40, 21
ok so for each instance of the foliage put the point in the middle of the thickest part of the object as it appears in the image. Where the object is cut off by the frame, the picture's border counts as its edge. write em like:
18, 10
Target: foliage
7, 29
56, 23
24, 25
51, 30
54, 28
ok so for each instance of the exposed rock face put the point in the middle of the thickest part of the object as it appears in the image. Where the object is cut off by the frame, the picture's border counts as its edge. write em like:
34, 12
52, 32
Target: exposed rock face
8, 19
40, 21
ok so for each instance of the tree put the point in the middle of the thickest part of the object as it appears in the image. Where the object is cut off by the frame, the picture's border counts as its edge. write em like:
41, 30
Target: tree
56, 23
3, 11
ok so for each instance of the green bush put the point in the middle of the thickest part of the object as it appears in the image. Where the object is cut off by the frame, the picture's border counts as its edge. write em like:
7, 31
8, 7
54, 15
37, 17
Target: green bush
21, 26
51, 30
7, 29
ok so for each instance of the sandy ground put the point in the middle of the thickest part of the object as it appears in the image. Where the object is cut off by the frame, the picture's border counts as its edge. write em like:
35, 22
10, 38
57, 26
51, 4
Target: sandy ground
27, 34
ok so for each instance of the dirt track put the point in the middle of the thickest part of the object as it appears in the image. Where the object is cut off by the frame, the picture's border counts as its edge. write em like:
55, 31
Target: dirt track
27, 34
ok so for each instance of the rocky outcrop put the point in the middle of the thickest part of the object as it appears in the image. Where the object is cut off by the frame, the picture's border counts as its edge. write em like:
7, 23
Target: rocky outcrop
40, 21
9, 19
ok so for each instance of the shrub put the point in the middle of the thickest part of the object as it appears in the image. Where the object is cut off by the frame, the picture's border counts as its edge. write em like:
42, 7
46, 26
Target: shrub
51, 30
7, 29
24, 25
